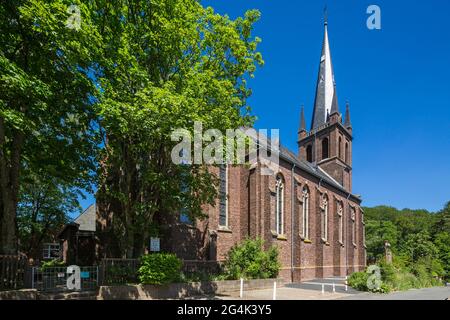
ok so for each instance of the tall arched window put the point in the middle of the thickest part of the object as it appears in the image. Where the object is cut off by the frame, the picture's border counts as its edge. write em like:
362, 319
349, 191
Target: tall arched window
223, 196
363, 226
353, 217
185, 216
324, 222
279, 209
346, 152
325, 152
305, 213
309, 156
340, 148
340, 211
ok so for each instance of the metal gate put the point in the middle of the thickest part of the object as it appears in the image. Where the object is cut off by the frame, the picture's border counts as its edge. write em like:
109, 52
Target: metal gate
54, 279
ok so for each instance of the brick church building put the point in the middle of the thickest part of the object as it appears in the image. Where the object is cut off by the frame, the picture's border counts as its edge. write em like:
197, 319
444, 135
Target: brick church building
306, 209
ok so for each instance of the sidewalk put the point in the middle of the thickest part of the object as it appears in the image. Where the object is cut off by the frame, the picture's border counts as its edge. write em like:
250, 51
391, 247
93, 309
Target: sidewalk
319, 289
286, 293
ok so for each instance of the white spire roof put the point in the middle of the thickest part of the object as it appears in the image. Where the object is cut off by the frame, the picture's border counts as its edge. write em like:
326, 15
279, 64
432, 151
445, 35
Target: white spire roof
325, 89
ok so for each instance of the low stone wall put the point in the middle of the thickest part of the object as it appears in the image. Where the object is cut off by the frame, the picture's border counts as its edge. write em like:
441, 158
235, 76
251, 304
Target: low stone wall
24, 294
147, 292
181, 290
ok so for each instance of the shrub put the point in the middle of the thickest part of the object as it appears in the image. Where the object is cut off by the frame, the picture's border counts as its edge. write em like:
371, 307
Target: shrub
119, 274
52, 263
358, 281
388, 271
248, 260
159, 268
400, 276
198, 276
402, 281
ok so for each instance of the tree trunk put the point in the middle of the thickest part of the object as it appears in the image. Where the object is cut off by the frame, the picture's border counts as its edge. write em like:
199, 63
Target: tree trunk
9, 190
8, 228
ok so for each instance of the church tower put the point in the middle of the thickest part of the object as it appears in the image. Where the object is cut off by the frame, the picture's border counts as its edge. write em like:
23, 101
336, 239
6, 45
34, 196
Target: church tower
328, 144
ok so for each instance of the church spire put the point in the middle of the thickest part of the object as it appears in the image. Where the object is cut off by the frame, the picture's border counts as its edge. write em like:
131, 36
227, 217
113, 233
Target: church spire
347, 123
302, 119
302, 125
325, 89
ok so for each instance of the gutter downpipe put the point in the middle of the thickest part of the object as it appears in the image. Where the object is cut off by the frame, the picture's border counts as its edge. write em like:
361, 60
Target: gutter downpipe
292, 220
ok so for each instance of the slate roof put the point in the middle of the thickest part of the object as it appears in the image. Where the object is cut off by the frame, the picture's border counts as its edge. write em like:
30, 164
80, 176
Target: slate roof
312, 169
325, 88
86, 220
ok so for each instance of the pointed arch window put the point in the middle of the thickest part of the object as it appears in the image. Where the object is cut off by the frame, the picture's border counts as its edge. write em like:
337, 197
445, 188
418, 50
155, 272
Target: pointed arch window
305, 213
309, 156
324, 219
340, 148
353, 217
185, 216
325, 152
340, 213
346, 153
279, 209
223, 196
363, 226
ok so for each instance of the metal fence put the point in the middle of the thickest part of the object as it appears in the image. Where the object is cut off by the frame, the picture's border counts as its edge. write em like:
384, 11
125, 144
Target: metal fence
119, 271
13, 270
54, 279
115, 271
201, 266
15, 273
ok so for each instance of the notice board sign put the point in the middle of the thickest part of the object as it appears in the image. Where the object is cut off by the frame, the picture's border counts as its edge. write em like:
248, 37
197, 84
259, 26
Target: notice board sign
154, 244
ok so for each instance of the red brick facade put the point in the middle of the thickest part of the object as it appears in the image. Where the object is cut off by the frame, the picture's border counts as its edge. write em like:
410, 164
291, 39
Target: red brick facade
327, 178
251, 213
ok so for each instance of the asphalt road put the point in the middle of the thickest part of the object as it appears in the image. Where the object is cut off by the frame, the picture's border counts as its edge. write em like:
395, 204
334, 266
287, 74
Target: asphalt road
437, 293
322, 289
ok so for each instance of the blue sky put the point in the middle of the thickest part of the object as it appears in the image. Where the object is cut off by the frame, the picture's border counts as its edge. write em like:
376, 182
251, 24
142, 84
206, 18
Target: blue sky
396, 79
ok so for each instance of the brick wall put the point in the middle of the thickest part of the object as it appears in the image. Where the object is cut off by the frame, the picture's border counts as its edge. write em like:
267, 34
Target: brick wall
251, 213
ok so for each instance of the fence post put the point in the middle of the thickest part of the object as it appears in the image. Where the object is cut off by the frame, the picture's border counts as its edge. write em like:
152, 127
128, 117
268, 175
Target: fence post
274, 290
241, 291
28, 276
100, 274
32, 277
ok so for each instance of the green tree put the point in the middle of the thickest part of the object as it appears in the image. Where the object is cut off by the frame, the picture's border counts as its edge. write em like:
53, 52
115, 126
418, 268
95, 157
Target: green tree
249, 260
442, 242
418, 245
441, 237
377, 232
442, 221
165, 64
413, 221
46, 95
42, 211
